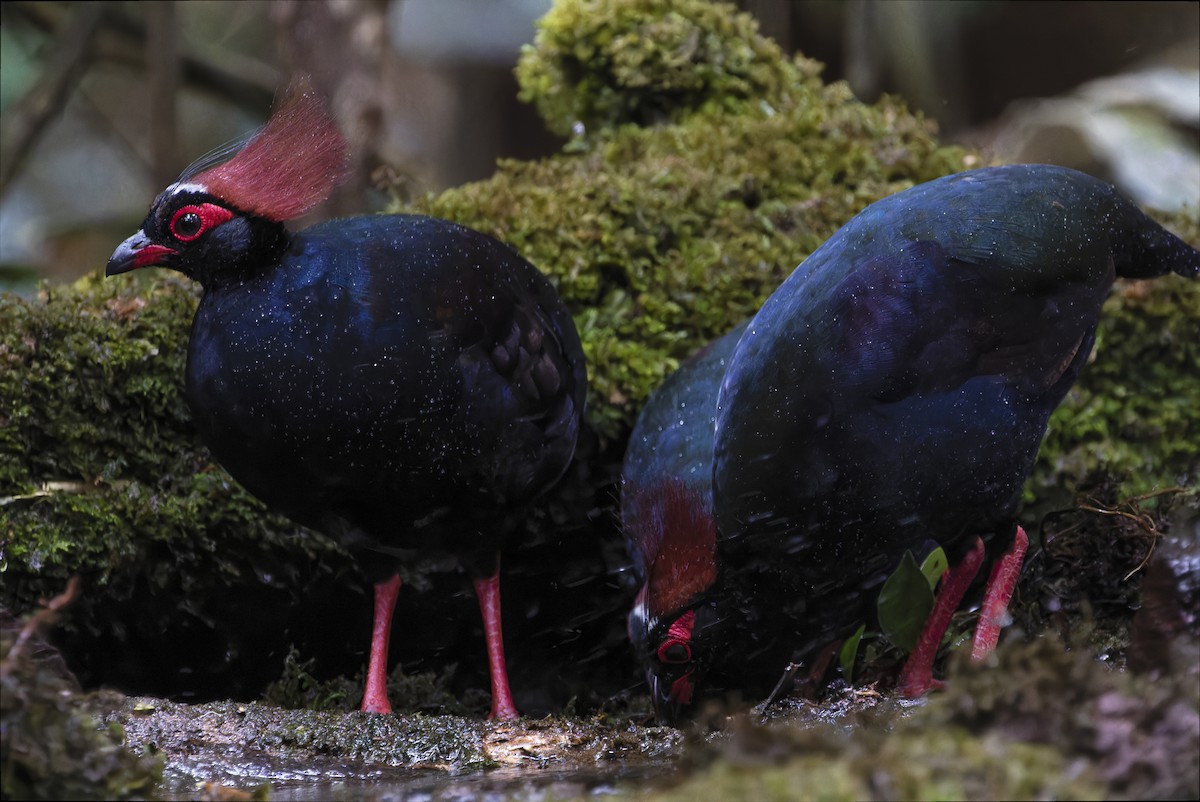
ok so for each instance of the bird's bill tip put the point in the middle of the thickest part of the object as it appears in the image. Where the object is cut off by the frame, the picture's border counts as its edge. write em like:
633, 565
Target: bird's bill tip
668, 708
134, 253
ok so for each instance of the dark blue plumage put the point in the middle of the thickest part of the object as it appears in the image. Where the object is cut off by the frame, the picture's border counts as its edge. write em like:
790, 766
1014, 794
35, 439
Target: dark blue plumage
402, 383
387, 372
895, 389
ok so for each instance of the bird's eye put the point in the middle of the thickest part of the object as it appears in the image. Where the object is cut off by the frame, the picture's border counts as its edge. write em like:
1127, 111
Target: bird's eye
186, 225
189, 222
674, 651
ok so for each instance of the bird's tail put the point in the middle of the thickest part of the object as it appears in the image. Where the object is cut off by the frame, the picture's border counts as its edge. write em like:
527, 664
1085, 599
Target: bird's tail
1154, 251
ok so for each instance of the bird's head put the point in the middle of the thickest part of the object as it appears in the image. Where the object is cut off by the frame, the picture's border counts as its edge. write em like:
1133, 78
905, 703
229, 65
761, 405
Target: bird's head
225, 214
675, 625
676, 653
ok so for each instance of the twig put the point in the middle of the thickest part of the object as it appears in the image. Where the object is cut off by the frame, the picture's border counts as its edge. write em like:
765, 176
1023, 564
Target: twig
1131, 510
43, 618
788, 673
48, 489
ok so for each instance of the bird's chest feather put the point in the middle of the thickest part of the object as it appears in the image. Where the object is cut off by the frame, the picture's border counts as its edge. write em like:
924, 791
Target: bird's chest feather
299, 362
309, 396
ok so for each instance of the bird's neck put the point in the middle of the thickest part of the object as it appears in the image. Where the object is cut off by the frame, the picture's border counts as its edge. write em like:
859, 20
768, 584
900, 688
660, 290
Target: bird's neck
258, 250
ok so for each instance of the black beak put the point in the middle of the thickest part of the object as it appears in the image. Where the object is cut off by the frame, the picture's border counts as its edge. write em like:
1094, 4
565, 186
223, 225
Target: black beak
135, 252
667, 710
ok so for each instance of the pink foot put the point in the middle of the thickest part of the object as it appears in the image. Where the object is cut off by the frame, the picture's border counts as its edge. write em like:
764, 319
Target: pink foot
916, 679
488, 591
375, 699
1000, 586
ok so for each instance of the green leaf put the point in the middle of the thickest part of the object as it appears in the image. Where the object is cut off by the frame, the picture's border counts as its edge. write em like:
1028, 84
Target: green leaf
849, 652
904, 603
934, 566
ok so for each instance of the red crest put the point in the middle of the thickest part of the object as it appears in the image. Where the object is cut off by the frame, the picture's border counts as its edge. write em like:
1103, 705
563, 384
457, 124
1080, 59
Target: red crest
287, 168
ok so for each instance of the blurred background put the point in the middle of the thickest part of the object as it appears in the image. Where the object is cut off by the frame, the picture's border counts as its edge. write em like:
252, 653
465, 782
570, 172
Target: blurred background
102, 104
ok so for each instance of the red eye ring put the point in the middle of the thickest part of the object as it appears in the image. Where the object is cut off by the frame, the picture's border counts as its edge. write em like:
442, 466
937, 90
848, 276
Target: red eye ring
190, 221
675, 652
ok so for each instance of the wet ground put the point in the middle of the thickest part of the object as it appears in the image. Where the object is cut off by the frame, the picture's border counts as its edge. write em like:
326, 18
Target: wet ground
228, 750
224, 748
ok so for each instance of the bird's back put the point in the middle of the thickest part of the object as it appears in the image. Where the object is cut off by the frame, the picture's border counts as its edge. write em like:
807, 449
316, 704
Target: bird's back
897, 386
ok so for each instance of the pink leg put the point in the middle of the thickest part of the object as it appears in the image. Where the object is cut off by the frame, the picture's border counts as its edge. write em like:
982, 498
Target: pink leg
1000, 588
375, 699
488, 591
917, 676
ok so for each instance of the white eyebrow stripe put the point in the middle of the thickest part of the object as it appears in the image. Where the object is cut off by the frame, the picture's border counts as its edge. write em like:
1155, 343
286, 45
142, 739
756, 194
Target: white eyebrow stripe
175, 189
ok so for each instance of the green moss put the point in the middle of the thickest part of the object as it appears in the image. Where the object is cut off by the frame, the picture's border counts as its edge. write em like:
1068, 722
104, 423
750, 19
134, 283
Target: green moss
369, 738
91, 379
597, 64
297, 688
53, 744
1138, 733
102, 476
937, 764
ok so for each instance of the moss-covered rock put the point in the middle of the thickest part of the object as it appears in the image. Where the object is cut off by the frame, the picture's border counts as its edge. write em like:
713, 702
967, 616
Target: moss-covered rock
943, 763
425, 692
598, 64
1040, 719
129, 340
